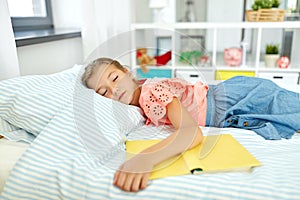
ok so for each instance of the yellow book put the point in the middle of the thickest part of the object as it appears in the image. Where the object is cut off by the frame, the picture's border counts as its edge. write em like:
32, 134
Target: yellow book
217, 153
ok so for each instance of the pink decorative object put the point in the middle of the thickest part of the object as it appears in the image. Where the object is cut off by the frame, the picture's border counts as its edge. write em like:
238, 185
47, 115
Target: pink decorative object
283, 62
233, 56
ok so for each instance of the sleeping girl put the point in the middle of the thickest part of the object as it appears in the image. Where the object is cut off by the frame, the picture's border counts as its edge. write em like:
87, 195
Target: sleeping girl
241, 102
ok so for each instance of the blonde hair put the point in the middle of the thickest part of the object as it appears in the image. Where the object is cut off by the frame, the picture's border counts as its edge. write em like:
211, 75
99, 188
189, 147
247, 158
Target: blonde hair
92, 66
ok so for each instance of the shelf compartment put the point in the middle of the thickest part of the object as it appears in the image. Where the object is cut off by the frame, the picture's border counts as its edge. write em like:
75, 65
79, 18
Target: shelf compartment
190, 48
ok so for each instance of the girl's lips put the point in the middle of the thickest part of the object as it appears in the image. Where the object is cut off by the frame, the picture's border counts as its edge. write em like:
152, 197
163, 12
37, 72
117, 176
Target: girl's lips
120, 97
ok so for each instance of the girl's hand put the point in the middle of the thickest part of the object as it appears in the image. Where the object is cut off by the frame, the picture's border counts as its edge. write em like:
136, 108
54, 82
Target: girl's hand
133, 174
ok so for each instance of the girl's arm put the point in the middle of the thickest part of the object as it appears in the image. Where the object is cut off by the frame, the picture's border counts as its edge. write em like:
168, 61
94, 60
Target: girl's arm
134, 173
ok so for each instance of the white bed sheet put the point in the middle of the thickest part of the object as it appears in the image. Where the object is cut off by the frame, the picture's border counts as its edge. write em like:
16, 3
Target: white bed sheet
10, 152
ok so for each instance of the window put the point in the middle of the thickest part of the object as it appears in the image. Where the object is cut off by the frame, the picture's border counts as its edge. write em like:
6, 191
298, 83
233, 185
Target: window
291, 6
30, 14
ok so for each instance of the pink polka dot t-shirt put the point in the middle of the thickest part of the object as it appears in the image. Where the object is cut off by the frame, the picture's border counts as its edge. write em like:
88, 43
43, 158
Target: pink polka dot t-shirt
156, 94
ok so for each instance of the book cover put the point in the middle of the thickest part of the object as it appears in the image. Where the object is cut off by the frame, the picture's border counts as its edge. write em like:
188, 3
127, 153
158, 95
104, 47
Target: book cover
216, 153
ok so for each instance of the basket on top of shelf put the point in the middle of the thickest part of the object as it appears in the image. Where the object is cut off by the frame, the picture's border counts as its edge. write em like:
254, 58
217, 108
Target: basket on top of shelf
265, 15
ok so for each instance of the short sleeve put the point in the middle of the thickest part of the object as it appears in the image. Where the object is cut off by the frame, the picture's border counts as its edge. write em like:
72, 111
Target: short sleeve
164, 91
158, 96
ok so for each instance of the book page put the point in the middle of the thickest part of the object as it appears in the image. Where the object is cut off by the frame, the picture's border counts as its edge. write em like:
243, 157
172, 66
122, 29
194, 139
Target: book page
221, 153
227, 154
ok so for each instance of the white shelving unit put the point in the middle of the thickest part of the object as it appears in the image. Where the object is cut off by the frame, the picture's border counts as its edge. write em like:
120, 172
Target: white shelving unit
145, 35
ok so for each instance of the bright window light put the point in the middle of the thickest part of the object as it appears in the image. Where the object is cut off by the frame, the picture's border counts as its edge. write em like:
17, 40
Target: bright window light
27, 8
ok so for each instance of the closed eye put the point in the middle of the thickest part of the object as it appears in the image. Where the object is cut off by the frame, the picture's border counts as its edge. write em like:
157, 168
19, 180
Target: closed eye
102, 91
115, 78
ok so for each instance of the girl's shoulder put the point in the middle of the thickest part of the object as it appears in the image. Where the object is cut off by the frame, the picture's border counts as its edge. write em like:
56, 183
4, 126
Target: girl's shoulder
164, 87
154, 81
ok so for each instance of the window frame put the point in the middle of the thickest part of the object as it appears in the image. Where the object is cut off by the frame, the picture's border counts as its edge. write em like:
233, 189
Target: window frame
34, 23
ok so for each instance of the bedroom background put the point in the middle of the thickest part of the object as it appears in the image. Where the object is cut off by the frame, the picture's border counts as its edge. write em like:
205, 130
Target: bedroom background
97, 24
91, 17
97, 21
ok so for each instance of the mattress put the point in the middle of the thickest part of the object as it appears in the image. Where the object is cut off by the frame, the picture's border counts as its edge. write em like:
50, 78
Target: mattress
10, 152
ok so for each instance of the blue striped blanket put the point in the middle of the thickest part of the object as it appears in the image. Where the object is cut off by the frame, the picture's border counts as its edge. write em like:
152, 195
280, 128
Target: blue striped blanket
58, 166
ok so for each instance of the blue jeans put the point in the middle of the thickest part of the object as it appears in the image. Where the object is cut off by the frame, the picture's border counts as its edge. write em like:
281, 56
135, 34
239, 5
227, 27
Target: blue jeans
256, 104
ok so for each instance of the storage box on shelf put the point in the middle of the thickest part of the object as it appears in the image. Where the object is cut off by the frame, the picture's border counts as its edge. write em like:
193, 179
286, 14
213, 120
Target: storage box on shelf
154, 72
226, 74
258, 31
265, 15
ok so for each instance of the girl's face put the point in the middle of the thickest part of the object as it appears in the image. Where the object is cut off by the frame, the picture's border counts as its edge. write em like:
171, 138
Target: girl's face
114, 83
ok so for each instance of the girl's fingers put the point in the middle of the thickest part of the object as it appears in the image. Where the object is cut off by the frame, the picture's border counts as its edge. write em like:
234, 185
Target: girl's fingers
117, 174
116, 177
128, 183
121, 180
144, 181
136, 182
131, 182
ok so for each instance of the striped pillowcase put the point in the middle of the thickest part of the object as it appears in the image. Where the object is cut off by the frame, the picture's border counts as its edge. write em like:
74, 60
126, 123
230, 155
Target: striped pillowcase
30, 102
14, 133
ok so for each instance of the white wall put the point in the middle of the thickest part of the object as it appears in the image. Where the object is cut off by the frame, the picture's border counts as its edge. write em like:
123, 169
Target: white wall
9, 66
223, 11
175, 11
50, 57
141, 10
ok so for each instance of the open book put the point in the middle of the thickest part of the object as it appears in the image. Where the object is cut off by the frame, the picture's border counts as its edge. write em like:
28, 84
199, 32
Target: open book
216, 153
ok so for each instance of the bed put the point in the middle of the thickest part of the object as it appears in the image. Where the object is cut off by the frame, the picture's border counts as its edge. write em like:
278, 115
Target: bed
10, 152
77, 142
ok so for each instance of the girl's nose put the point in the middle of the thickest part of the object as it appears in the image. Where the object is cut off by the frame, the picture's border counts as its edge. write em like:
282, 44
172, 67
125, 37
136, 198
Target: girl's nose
115, 90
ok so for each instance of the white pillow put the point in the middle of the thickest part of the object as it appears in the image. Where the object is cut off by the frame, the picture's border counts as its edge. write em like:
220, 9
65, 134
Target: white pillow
96, 116
30, 102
